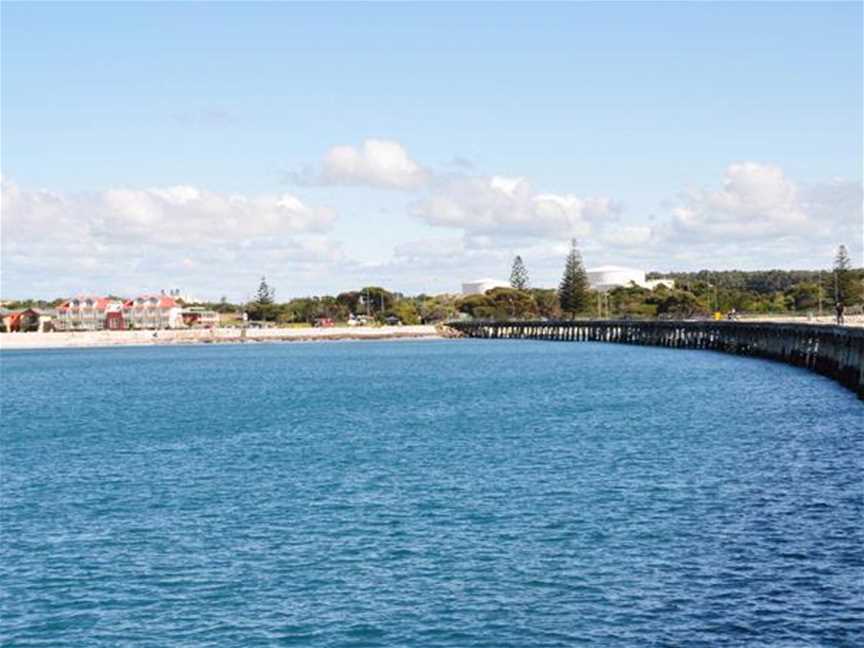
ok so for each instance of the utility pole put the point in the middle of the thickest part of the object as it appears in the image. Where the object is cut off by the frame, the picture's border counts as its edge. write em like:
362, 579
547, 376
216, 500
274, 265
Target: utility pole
819, 283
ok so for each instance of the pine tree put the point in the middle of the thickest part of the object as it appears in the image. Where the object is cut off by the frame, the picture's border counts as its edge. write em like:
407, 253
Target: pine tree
265, 293
519, 275
846, 289
573, 290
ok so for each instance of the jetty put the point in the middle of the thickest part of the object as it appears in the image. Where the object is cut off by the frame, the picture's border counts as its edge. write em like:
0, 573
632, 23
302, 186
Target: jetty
833, 351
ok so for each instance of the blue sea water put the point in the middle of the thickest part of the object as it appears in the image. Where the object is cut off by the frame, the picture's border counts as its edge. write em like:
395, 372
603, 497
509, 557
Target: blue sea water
451, 493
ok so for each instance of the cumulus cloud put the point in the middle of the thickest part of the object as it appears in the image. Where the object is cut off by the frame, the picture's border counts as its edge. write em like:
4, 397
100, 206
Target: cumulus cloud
760, 217
758, 202
507, 207
172, 215
375, 163
131, 235
494, 206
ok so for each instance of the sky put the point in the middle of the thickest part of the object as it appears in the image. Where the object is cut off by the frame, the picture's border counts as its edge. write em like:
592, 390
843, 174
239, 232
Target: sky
201, 146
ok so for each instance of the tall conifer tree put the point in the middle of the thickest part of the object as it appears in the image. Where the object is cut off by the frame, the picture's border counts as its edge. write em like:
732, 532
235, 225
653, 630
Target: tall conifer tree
573, 290
846, 289
265, 293
519, 275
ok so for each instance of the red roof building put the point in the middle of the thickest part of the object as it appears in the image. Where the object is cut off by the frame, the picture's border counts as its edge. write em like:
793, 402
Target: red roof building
89, 313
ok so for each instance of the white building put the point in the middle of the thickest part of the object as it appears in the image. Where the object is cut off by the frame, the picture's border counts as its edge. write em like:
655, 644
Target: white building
607, 277
89, 313
153, 312
480, 286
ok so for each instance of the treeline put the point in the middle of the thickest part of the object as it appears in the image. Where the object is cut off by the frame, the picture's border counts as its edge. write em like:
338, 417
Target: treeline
759, 282
372, 302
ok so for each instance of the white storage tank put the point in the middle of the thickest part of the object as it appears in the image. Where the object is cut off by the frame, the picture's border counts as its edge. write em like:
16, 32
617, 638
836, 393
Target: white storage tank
480, 286
608, 277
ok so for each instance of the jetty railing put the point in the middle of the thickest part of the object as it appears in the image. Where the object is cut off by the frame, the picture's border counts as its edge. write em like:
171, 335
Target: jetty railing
833, 351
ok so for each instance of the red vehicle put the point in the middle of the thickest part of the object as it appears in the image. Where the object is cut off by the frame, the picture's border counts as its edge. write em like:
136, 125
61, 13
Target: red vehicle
323, 322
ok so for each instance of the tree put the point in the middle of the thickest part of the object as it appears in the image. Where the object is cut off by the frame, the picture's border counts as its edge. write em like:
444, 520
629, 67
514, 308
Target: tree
509, 303
847, 289
573, 290
263, 308
405, 311
477, 306
547, 302
679, 304
519, 275
375, 300
265, 293
803, 296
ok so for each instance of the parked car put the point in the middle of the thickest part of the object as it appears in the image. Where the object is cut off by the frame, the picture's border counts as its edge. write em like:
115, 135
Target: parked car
323, 322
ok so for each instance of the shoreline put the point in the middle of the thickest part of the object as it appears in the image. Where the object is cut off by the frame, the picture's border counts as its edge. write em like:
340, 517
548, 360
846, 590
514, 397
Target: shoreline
168, 337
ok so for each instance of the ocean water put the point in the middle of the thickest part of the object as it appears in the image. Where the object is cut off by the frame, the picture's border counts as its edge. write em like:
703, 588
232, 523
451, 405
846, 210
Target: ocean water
428, 493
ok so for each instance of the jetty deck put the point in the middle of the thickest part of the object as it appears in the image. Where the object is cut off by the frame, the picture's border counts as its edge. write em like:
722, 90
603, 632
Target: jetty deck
833, 351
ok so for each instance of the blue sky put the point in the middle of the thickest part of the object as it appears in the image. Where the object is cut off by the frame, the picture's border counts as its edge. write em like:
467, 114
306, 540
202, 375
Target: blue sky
664, 136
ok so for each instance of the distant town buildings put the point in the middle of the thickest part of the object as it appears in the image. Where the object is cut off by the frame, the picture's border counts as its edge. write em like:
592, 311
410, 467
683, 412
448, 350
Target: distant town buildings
96, 313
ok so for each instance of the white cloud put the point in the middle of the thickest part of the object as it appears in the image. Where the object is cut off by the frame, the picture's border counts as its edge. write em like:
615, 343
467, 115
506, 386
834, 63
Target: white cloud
627, 236
756, 200
376, 163
120, 239
509, 208
760, 217
498, 207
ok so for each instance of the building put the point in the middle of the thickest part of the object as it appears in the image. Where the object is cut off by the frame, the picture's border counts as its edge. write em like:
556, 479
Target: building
480, 286
153, 312
89, 313
197, 317
28, 320
605, 278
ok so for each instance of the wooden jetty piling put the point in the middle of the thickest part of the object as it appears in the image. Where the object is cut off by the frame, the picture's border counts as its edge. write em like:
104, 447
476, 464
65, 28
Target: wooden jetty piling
833, 351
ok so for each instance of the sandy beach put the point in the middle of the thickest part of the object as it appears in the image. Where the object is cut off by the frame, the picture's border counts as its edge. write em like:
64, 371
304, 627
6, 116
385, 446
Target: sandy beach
10, 341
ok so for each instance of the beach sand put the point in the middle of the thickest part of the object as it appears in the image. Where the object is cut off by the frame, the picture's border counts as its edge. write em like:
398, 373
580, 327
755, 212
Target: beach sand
10, 341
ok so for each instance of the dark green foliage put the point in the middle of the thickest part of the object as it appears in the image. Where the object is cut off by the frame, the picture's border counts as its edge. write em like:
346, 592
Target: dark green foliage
634, 302
547, 302
263, 309
804, 296
680, 304
435, 309
500, 304
405, 311
847, 286
519, 275
573, 292
265, 293
375, 301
